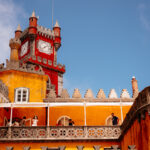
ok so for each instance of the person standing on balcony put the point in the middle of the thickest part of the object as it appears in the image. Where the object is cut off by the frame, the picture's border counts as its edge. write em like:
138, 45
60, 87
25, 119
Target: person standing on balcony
34, 120
115, 119
71, 123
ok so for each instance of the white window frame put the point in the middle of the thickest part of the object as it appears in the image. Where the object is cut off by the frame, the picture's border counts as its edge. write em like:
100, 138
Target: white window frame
21, 94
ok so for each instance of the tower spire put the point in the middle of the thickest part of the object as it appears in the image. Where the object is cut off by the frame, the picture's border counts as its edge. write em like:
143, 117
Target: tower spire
33, 14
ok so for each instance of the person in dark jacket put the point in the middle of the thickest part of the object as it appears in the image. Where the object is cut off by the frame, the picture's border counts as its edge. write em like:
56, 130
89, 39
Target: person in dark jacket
115, 119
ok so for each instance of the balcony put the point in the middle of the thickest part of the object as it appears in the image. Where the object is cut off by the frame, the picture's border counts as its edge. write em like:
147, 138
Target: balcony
60, 133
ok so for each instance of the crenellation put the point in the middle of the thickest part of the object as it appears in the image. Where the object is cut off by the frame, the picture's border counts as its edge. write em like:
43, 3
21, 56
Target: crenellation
124, 94
112, 94
64, 94
76, 93
89, 94
101, 94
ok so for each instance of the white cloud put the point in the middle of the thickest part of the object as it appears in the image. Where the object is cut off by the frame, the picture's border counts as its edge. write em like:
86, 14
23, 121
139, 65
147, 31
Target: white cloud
9, 18
143, 17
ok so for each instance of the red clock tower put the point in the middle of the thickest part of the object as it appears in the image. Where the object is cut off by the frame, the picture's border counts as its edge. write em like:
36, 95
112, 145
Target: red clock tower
39, 46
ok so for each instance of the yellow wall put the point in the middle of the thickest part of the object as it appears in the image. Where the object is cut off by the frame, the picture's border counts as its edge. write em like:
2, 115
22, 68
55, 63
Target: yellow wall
95, 115
36, 83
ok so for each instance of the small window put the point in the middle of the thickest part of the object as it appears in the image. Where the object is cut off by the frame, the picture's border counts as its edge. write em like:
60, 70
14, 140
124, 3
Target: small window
48, 84
21, 95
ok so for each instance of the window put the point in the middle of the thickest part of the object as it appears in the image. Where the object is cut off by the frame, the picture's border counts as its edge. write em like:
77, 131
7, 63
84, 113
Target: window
21, 95
48, 84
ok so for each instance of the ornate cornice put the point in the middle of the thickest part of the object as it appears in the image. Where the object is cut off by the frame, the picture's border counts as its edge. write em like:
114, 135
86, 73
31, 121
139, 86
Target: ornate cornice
12, 65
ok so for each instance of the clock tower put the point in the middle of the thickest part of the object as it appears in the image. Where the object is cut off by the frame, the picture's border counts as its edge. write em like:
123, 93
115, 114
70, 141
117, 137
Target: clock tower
39, 46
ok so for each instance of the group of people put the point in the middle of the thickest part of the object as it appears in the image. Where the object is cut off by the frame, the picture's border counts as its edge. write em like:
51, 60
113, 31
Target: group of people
16, 122
22, 122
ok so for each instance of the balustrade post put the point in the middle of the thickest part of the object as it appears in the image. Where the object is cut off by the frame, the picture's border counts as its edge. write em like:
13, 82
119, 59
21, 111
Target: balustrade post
26, 148
9, 148
44, 147
131, 147
62, 147
80, 147
9, 132
115, 147
96, 147
85, 132
47, 132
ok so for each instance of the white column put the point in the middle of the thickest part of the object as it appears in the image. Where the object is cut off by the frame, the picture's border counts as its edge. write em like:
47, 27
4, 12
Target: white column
48, 116
11, 114
121, 110
84, 113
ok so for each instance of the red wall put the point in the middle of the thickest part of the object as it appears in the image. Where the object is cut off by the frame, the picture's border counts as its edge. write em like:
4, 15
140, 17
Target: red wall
138, 134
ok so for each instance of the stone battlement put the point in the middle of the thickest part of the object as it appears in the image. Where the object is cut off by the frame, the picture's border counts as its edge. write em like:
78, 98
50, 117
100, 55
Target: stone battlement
89, 95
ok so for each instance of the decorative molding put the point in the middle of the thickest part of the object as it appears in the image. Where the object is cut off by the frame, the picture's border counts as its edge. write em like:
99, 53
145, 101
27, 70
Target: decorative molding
115, 147
51, 94
9, 148
4, 90
12, 65
61, 133
131, 147
62, 147
80, 147
26, 148
96, 147
44, 147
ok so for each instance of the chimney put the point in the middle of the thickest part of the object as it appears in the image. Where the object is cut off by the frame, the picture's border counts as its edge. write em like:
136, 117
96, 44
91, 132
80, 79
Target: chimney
135, 90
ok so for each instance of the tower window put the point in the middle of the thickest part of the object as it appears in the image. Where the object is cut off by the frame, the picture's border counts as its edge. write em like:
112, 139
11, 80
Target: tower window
21, 95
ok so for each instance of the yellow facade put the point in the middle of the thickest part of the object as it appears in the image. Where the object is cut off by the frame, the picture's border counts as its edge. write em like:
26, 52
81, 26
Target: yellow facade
15, 79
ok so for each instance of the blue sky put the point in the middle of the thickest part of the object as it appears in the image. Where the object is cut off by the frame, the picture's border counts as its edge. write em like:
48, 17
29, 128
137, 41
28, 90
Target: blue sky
104, 42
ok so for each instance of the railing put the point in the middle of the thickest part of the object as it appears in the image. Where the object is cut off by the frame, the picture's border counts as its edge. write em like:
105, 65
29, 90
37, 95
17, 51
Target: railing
60, 133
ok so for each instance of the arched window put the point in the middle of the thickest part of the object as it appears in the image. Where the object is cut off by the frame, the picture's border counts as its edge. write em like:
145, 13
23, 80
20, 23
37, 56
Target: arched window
64, 121
21, 95
108, 121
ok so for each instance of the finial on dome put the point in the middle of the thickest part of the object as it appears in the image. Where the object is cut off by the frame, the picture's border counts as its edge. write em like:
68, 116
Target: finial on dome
19, 28
56, 24
33, 14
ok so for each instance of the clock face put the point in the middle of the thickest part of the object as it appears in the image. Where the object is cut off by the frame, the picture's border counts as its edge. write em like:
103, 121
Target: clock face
44, 47
24, 49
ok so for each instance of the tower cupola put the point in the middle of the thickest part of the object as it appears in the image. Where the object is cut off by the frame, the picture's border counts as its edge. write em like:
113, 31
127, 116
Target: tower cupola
18, 32
57, 41
33, 25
